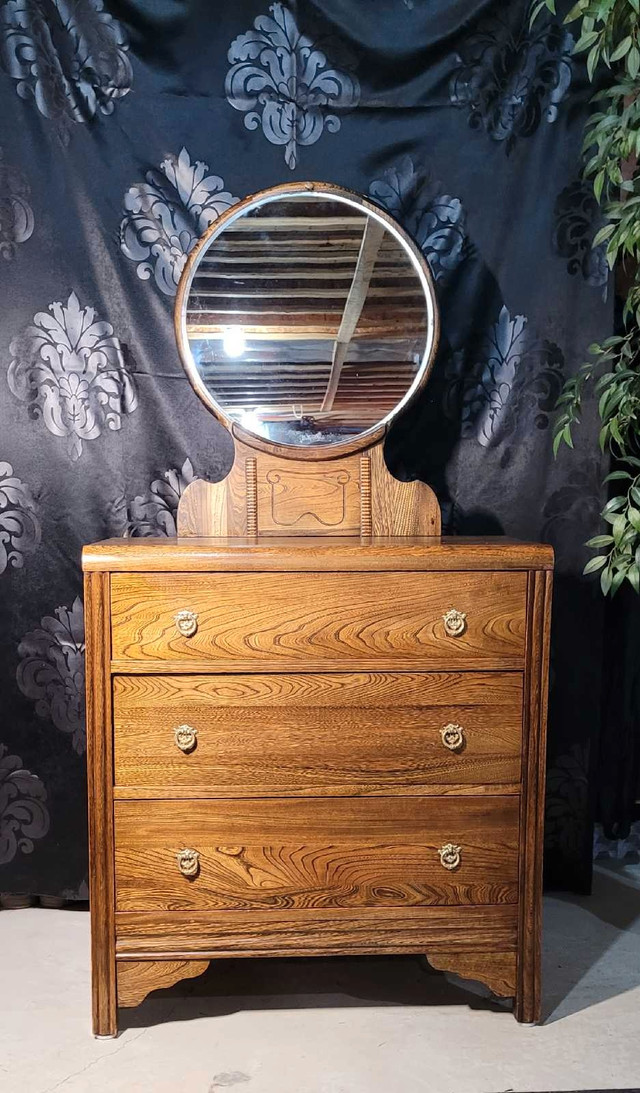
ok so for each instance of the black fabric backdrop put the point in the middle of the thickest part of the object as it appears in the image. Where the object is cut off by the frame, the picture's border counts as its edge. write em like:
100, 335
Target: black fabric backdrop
125, 129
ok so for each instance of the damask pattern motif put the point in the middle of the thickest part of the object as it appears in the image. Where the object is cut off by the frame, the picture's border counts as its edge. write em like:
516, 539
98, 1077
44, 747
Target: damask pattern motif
510, 80
51, 671
285, 84
485, 391
71, 57
24, 815
567, 802
70, 370
155, 512
19, 525
571, 511
436, 221
577, 218
508, 377
166, 215
16, 214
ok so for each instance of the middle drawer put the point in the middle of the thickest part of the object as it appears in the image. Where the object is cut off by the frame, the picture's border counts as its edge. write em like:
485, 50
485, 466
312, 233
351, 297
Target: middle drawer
318, 734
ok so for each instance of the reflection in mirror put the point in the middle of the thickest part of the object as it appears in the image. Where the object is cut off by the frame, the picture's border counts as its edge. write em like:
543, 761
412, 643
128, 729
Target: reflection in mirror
307, 319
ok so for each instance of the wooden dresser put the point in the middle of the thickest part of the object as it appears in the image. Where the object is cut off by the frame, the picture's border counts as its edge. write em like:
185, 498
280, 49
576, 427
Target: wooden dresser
314, 726
313, 746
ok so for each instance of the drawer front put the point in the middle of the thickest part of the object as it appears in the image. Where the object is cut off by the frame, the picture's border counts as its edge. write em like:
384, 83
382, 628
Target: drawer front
341, 852
344, 621
319, 734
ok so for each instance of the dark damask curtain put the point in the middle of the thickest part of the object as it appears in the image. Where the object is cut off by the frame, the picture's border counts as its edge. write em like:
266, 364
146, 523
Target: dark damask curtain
126, 128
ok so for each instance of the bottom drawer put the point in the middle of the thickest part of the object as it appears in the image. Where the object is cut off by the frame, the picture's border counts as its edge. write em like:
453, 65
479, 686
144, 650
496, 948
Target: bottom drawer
315, 854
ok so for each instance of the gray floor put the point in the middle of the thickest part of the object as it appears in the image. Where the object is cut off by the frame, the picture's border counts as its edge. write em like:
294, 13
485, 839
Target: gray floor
366, 1025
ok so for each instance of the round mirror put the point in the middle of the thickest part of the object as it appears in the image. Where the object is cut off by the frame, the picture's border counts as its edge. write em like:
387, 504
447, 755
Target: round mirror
306, 317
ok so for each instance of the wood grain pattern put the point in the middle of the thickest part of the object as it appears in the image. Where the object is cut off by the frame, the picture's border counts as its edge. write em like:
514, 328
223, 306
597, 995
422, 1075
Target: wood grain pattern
342, 734
100, 794
400, 508
313, 554
137, 978
497, 970
333, 621
528, 993
313, 853
336, 931
203, 504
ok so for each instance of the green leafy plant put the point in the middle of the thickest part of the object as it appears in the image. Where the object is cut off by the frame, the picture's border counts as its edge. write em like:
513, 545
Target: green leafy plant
609, 35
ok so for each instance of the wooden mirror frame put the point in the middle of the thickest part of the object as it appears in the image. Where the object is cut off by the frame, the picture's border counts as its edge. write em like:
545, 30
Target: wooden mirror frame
366, 438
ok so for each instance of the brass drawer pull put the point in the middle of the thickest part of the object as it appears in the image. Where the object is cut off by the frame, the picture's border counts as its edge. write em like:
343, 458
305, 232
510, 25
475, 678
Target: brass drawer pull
186, 738
450, 855
187, 623
455, 622
188, 862
452, 737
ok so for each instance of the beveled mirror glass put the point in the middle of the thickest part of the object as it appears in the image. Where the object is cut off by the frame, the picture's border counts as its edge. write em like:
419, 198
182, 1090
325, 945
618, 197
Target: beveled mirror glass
306, 317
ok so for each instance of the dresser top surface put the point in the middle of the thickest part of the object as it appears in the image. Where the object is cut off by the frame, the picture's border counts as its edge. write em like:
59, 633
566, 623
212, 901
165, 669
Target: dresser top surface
310, 553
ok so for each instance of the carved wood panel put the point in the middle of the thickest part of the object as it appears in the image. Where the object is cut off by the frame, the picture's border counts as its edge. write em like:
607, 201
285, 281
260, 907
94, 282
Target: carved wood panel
265, 494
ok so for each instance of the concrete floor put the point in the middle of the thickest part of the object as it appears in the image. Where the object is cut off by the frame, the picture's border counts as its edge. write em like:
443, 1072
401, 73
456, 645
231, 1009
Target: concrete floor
350, 1025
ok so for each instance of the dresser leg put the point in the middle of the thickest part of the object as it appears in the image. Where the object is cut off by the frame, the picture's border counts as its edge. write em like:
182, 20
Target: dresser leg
104, 1011
528, 1000
527, 1006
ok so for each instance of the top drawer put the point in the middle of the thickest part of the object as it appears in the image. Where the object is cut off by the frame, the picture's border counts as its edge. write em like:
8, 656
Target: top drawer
339, 621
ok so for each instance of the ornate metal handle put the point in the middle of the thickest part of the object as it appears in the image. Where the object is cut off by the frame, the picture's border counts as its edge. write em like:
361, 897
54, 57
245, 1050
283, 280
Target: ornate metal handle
187, 623
186, 738
188, 862
455, 622
452, 737
450, 855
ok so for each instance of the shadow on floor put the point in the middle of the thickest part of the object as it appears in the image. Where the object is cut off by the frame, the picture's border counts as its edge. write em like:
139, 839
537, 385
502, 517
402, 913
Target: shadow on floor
586, 960
591, 948
306, 983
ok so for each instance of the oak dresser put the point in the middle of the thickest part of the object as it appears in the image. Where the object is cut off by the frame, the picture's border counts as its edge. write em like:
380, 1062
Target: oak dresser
315, 726
297, 747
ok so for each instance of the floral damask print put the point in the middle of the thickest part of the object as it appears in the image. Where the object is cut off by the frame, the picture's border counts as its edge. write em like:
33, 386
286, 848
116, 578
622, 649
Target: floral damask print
19, 525
155, 512
285, 84
487, 389
70, 370
23, 813
16, 214
508, 377
571, 511
436, 221
577, 218
567, 794
166, 215
510, 79
71, 57
81, 893
51, 671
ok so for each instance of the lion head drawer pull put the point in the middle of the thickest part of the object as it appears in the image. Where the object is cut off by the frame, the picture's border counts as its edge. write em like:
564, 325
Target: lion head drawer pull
186, 738
452, 737
188, 862
450, 855
187, 623
455, 622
